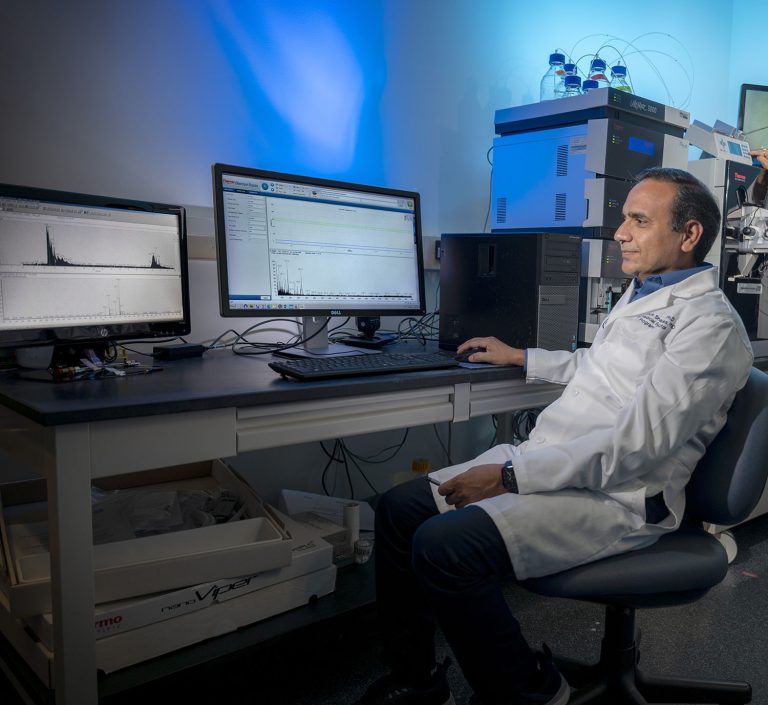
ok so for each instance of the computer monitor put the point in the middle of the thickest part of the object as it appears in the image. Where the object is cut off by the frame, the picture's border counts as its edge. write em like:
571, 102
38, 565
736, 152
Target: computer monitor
753, 114
79, 271
313, 248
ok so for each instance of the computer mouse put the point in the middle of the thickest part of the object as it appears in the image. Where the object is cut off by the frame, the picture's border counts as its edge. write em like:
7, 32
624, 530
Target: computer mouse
464, 356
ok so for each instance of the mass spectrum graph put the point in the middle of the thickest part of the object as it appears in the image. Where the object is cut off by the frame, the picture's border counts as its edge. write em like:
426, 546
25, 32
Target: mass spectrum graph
61, 300
66, 273
54, 260
35, 244
335, 277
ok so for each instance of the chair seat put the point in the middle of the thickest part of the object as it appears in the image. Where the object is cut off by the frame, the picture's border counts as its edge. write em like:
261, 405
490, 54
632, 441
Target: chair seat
678, 568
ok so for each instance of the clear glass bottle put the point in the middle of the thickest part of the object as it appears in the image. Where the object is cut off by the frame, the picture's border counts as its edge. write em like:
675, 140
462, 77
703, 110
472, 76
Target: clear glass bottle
619, 78
551, 82
597, 68
568, 70
572, 86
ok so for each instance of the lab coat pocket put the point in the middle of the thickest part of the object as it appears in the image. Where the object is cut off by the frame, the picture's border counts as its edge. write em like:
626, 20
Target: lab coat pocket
634, 352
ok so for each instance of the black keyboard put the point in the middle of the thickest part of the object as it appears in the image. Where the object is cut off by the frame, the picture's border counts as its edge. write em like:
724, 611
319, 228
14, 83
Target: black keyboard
308, 368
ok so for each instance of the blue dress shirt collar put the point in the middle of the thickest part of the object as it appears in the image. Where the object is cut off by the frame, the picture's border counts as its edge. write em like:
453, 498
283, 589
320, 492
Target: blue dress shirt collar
654, 282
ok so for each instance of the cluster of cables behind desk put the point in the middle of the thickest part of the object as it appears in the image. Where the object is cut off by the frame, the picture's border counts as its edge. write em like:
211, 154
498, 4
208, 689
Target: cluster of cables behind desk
341, 453
523, 422
421, 330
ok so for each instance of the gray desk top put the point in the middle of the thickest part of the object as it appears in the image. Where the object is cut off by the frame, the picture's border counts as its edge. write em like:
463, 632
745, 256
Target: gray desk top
217, 380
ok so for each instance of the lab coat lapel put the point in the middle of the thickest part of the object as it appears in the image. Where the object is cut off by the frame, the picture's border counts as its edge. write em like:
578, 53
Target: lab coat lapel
695, 285
656, 300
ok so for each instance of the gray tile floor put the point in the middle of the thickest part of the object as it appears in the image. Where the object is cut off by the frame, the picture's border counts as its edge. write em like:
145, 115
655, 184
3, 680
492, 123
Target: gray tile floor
724, 635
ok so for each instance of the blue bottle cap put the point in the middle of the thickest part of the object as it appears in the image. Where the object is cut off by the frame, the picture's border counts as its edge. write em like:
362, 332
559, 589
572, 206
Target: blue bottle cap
619, 70
556, 58
569, 68
597, 64
588, 85
572, 81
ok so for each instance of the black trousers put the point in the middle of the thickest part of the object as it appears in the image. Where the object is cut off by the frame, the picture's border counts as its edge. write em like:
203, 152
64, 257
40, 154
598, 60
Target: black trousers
446, 569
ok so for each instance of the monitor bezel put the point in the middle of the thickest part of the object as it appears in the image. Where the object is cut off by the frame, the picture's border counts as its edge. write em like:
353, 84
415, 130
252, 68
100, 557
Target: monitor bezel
104, 333
219, 169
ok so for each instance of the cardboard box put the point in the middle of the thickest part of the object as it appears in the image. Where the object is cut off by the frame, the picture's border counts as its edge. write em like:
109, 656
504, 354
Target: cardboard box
132, 647
150, 564
332, 508
310, 554
123, 650
331, 532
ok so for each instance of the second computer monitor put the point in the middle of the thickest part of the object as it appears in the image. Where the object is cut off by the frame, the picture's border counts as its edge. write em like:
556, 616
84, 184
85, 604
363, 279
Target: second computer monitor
289, 245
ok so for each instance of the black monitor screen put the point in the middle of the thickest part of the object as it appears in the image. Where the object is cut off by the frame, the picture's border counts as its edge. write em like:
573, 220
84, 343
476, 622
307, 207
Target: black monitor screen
76, 267
753, 114
301, 246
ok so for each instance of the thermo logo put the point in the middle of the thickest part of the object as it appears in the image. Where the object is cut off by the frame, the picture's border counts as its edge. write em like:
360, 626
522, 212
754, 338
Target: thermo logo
109, 622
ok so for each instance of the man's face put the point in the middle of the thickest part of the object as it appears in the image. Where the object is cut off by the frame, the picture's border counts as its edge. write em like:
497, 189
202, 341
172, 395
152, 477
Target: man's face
648, 243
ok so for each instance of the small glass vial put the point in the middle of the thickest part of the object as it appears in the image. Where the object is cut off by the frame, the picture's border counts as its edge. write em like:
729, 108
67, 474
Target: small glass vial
572, 86
619, 78
597, 69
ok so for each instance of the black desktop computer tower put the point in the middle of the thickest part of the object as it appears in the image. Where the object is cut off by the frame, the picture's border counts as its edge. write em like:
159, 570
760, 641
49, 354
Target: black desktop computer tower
522, 288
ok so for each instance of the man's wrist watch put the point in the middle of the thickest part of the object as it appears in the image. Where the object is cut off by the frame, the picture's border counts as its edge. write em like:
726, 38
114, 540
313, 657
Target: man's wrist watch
508, 479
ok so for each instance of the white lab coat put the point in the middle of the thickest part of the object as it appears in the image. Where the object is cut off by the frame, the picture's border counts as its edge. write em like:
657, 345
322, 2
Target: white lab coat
639, 408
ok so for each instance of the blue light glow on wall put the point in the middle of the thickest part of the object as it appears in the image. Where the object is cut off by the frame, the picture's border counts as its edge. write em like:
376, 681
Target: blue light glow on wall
311, 75
138, 98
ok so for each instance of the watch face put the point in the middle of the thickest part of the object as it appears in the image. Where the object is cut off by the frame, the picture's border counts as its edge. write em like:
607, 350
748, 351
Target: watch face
508, 479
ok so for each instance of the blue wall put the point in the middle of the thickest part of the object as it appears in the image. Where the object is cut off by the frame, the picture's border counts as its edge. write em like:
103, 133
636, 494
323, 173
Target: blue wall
138, 98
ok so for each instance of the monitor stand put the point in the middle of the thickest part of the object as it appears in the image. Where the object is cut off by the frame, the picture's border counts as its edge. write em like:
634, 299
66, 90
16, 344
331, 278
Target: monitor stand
35, 358
377, 340
315, 331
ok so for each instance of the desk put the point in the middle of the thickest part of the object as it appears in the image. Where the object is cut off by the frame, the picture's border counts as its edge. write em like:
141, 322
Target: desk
200, 409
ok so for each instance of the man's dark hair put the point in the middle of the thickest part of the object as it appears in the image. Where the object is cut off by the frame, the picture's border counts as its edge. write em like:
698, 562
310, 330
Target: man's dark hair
693, 201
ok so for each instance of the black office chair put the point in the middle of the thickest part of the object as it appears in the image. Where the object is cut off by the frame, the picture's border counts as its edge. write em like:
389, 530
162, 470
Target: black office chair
679, 568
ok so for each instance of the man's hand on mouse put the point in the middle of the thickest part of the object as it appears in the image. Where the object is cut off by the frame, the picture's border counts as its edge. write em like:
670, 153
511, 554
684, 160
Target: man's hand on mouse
477, 483
496, 352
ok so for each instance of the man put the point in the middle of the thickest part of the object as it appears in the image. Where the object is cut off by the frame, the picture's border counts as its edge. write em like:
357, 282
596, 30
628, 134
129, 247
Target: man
603, 471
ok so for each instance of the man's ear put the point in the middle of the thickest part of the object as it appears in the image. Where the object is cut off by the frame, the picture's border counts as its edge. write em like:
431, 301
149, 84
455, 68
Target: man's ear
692, 232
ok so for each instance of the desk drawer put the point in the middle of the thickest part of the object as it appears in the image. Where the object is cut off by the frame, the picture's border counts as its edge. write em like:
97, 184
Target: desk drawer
513, 395
287, 424
140, 443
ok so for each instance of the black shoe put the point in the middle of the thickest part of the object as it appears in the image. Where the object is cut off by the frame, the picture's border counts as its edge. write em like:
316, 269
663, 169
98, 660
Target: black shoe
393, 690
550, 687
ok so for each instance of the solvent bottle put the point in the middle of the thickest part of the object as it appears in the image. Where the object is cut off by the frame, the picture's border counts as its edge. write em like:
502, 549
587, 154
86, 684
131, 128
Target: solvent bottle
619, 78
551, 82
572, 86
597, 69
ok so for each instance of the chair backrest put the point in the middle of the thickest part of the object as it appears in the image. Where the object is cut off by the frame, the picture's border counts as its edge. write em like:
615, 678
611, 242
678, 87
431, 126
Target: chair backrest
729, 479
